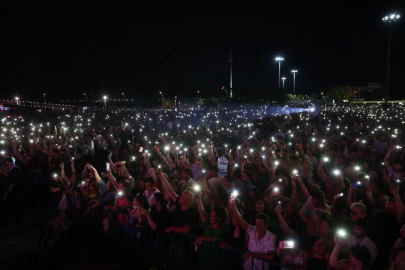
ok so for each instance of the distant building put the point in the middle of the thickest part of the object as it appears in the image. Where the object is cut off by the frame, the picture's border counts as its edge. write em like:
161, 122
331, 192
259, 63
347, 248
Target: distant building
371, 91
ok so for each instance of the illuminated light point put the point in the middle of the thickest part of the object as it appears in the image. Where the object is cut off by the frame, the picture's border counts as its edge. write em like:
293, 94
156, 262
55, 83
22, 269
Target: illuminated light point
279, 59
294, 71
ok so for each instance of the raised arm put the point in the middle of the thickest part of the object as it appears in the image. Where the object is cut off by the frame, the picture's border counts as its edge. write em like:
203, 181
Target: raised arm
235, 211
303, 187
369, 193
349, 196
96, 175
283, 224
342, 264
168, 188
321, 174
201, 211
399, 205
302, 214
62, 172
113, 180
387, 157
170, 161
162, 158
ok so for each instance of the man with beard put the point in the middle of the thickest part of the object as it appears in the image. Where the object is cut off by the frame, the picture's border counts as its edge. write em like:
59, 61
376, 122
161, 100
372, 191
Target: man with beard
359, 237
158, 216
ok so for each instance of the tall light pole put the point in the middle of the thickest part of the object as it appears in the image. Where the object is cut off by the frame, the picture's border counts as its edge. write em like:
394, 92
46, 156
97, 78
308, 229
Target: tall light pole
389, 19
105, 101
87, 100
283, 81
279, 59
163, 100
230, 71
175, 101
294, 71
44, 98
124, 98
16, 99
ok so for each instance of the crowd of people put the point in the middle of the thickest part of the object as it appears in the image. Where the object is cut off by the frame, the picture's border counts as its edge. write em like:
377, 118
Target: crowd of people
319, 188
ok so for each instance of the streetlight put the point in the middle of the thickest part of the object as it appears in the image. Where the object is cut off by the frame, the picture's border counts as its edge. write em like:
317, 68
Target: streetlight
175, 101
124, 98
163, 100
389, 19
105, 101
279, 59
294, 71
86, 98
283, 81
16, 98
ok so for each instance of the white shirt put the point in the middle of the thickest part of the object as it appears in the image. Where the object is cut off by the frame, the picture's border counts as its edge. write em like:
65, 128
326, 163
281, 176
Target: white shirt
215, 182
222, 166
313, 161
297, 259
368, 244
190, 183
268, 243
151, 196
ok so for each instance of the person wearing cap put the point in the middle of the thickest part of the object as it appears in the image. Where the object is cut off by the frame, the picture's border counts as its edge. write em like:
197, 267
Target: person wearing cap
359, 237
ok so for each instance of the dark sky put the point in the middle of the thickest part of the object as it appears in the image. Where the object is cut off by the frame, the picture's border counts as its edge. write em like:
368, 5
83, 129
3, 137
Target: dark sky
66, 48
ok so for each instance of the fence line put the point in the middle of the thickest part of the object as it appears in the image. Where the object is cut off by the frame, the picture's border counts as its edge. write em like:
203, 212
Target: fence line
175, 248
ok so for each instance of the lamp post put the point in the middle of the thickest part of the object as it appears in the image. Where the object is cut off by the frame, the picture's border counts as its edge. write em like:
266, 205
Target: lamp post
389, 19
279, 59
175, 101
86, 98
44, 98
163, 100
294, 71
105, 101
124, 98
283, 81
16, 99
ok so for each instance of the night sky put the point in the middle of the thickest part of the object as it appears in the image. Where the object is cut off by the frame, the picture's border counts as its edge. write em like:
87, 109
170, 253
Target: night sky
178, 47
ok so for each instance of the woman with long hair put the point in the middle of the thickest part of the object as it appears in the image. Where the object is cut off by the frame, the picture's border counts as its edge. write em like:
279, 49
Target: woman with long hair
215, 227
316, 256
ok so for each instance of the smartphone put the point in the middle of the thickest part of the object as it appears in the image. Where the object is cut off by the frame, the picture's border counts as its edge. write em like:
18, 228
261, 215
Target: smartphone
107, 166
286, 244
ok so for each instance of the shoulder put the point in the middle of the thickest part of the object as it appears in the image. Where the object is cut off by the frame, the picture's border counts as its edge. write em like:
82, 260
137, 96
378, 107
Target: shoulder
270, 236
251, 230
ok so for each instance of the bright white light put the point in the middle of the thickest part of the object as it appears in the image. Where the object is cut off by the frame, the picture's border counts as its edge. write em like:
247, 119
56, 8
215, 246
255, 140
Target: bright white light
235, 194
276, 189
341, 233
294, 71
279, 58
392, 16
336, 172
105, 97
